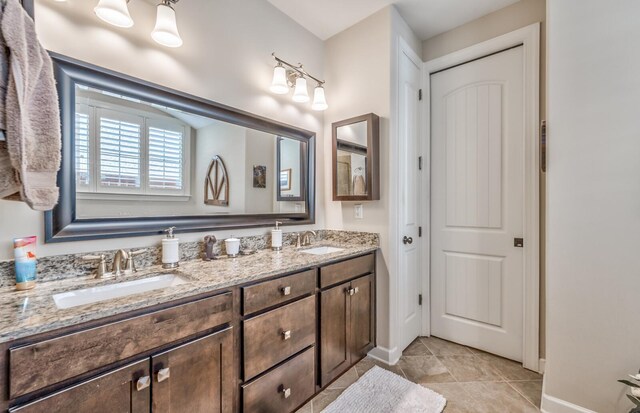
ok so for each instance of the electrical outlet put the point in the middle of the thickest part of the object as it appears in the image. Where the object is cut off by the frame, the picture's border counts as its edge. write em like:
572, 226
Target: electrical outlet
359, 211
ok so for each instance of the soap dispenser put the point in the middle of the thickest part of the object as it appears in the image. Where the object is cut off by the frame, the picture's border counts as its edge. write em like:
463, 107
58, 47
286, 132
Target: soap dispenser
276, 238
170, 250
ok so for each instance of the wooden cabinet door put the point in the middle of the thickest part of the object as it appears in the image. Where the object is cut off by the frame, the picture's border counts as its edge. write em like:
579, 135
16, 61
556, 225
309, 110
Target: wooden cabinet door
334, 332
362, 326
196, 377
113, 392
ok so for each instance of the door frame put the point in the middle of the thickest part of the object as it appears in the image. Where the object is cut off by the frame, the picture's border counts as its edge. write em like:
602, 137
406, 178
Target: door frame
529, 38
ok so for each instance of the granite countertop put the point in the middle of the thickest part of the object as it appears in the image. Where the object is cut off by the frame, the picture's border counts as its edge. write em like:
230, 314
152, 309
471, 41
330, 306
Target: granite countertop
25, 313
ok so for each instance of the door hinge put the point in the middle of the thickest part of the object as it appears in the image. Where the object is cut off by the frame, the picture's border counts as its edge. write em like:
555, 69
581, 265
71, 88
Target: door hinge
419, 299
419, 231
419, 94
419, 163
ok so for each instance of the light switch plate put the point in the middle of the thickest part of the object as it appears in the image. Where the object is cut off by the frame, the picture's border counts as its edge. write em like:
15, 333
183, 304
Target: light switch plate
359, 211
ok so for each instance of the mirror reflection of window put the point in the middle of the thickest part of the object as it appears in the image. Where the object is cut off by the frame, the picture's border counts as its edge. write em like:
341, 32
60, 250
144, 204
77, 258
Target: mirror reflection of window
139, 159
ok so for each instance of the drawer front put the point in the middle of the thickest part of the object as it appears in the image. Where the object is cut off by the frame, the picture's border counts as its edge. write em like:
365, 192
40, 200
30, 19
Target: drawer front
269, 293
283, 389
277, 335
346, 270
38, 365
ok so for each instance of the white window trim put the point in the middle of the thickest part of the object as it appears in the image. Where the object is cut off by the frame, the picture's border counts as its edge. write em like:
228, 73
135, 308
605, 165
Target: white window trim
92, 106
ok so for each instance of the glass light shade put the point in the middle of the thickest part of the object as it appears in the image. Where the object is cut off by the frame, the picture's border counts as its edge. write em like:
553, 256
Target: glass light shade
300, 93
114, 12
279, 84
319, 100
166, 30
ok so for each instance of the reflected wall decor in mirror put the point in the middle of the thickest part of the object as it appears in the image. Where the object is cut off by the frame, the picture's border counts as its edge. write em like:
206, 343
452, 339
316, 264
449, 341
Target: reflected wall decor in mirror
356, 175
138, 158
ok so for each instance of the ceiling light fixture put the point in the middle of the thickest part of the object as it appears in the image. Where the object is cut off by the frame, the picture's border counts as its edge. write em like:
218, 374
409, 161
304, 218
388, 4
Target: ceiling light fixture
286, 75
165, 32
114, 12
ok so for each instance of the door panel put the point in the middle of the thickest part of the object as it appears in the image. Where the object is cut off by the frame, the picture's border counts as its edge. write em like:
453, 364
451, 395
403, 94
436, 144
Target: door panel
199, 378
477, 203
409, 189
334, 332
115, 391
362, 328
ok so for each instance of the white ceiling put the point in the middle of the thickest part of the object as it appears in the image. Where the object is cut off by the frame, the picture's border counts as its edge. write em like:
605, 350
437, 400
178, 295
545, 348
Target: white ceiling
427, 18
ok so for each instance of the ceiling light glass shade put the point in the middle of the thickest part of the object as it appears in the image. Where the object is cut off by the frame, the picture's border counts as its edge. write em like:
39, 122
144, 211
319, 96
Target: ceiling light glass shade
300, 93
166, 30
279, 84
319, 100
114, 12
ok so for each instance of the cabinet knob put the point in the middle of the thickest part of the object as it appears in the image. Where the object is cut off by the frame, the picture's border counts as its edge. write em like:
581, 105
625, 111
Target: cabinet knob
286, 290
163, 374
143, 382
286, 392
356, 290
286, 335
351, 291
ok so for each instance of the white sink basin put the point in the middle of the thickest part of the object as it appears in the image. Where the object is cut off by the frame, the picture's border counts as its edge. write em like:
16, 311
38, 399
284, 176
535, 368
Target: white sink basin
108, 292
321, 250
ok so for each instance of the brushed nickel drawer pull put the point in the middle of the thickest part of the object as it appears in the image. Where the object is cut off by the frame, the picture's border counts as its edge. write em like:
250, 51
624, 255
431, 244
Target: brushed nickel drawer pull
143, 382
286, 335
286, 290
286, 392
163, 374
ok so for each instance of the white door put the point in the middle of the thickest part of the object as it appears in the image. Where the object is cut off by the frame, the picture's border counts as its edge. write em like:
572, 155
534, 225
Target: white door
477, 203
409, 186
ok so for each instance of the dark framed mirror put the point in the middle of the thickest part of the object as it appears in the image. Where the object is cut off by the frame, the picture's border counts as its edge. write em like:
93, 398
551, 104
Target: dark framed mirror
356, 159
138, 158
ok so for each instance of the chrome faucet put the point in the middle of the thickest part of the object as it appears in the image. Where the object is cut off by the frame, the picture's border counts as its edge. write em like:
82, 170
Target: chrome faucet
119, 262
305, 238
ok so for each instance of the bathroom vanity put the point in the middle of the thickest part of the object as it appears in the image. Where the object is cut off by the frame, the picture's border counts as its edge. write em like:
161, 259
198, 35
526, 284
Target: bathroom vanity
262, 333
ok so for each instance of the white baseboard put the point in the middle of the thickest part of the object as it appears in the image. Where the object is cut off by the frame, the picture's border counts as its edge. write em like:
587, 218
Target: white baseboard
385, 355
541, 365
552, 404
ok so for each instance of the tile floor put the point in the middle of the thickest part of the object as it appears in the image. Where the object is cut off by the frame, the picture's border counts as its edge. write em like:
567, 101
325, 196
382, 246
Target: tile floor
471, 380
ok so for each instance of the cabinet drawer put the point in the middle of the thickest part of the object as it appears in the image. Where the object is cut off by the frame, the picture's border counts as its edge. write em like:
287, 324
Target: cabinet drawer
47, 362
346, 270
277, 335
269, 293
284, 388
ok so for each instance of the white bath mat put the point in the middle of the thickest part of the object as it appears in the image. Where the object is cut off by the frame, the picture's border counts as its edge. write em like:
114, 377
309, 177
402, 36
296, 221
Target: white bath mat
382, 391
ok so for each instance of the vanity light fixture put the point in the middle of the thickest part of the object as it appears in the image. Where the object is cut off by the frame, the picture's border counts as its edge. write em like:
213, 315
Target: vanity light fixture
114, 12
165, 32
286, 76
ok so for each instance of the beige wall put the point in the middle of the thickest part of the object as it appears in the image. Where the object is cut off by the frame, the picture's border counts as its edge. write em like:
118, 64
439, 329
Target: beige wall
359, 72
593, 234
226, 57
508, 19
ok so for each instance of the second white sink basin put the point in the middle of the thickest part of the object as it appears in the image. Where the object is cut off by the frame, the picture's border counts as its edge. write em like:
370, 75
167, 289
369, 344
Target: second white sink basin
321, 250
75, 298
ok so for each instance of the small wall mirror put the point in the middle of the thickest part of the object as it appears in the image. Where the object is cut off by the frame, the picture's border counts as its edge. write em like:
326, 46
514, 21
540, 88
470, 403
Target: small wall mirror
356, 175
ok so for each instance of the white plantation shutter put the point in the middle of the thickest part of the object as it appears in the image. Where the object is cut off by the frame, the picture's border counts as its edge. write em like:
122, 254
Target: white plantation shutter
82, 146
120, 150
166, 156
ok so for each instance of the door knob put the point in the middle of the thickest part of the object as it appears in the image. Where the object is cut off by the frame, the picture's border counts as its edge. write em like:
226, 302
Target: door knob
407, 240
